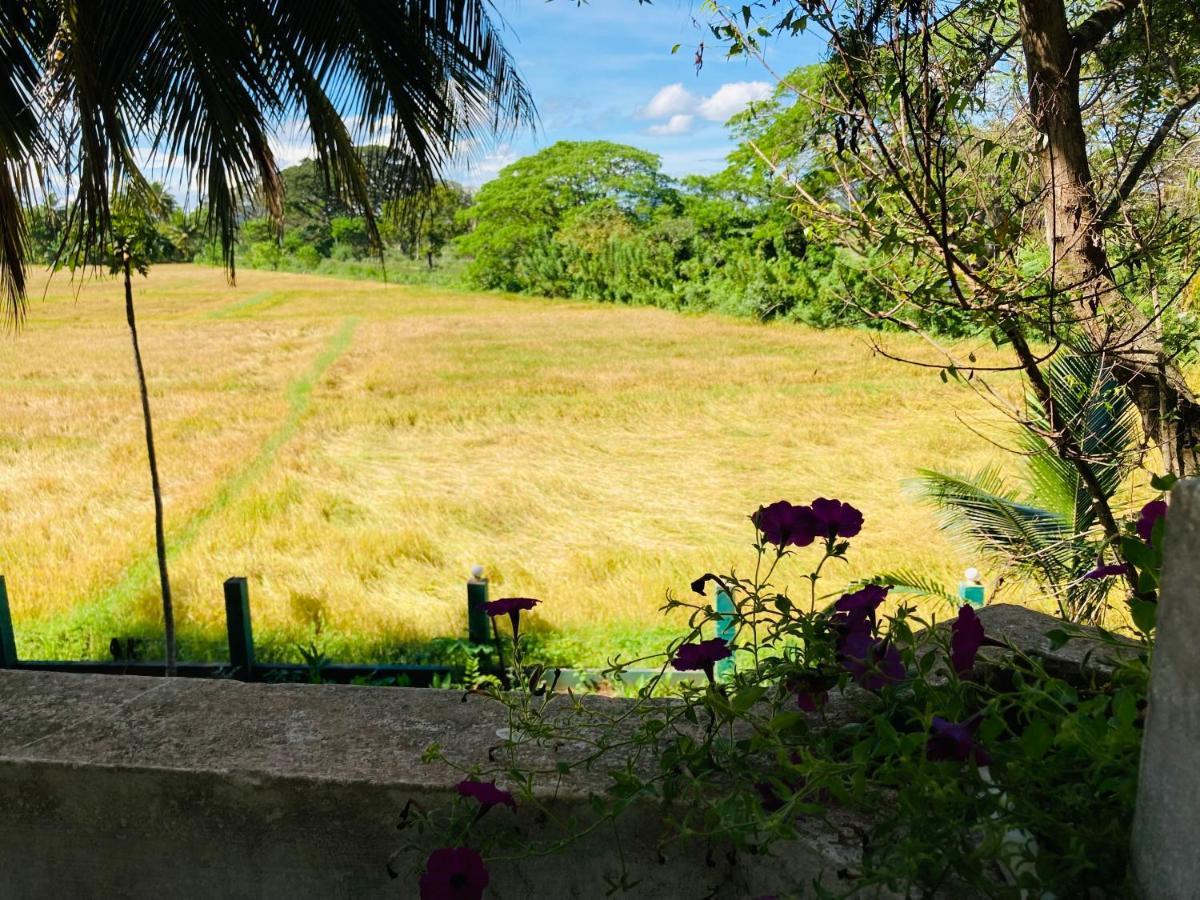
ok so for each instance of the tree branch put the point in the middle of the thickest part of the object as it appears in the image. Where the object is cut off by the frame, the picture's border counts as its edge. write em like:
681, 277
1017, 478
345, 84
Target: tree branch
1134, 175
1100, 24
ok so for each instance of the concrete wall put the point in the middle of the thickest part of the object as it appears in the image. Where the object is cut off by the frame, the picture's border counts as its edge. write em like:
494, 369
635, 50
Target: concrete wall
116, 787
136, 787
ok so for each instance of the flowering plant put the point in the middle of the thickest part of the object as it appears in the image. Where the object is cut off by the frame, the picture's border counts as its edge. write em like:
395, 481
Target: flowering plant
951, 741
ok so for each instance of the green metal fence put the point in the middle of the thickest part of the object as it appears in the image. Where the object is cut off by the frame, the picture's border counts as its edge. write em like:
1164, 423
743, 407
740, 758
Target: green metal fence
243, 664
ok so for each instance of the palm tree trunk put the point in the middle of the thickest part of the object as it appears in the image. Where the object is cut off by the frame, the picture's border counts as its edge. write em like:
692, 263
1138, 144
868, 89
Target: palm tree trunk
160, 541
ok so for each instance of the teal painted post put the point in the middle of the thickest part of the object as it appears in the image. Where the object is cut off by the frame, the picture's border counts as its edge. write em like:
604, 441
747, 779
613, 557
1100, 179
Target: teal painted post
726, 627
971, 589
478, 631
8, 641
237, 624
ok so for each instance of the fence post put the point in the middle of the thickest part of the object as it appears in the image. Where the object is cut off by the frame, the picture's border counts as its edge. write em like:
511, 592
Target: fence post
8, 642
478, 631
237, 623
726, 625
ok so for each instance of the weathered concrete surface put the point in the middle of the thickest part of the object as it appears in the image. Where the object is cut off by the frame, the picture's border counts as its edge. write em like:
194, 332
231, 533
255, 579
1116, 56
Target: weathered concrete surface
1086, 653
1166, 855
137, 787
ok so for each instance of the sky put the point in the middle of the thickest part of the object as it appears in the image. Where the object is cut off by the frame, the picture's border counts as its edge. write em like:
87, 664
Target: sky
604, 70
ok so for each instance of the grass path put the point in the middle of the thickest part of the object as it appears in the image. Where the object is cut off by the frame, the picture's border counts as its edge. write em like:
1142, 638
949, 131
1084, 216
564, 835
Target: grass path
98, 613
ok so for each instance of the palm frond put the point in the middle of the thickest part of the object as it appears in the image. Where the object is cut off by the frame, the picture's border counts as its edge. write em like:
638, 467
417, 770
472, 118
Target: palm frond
22, 142
913, 584
1100, 418
203, 85
984, 513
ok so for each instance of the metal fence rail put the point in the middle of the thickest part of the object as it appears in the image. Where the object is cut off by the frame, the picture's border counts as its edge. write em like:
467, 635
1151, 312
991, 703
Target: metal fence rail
243, 664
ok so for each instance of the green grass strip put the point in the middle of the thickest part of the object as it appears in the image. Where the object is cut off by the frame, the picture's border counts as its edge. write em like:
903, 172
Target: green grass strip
248, 307
104, 609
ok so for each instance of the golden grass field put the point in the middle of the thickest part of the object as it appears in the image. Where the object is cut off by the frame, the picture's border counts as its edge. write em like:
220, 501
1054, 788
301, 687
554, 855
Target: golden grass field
353, 448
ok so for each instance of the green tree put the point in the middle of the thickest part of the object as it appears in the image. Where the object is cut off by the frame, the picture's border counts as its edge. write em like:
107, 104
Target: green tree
206, 84
440, 218
1012, 163
515, 216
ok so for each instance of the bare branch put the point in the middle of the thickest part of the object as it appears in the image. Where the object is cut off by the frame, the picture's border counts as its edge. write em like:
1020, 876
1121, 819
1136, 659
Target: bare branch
1134, 175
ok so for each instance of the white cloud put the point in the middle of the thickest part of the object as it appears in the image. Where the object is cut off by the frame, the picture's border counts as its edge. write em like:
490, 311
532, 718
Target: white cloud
679, 107
732, 98
291, 143
473, 170
679, 124
673, 100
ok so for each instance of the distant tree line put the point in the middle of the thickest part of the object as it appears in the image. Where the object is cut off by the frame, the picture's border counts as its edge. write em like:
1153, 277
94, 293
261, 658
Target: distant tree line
601, 221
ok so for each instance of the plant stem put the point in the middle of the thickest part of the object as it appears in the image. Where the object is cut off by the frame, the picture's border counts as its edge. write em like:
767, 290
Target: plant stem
160, 541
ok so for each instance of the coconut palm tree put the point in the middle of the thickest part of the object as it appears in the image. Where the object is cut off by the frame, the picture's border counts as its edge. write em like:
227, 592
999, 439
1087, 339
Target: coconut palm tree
88, 91
1048, 529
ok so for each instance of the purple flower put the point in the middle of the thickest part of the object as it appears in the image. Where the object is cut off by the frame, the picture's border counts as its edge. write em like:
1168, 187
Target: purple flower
783, 524
966, 637
701, 657
511, 606
872, 663
811, 688
769, 796
699, 583
860, 606
1150, 514
1103, 571
836, 519
487, 794
953, 742
812, 701
454, 873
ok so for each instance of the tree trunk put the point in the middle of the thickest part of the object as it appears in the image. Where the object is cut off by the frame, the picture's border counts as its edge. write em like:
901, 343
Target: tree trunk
160, 542
1110, 322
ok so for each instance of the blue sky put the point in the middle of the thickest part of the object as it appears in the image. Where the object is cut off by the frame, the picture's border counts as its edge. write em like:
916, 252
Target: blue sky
604, 70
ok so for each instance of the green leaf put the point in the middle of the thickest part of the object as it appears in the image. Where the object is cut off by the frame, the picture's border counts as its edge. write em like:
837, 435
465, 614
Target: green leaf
1163, 483
1145, 615
1037, 739
747, 697
1057, 638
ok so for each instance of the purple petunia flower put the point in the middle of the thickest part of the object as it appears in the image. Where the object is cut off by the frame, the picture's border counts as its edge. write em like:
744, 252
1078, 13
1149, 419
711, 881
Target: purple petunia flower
511, 606
953, 742
1108, 571
812, 701
701, 656
784, 524
966, 637
859, 606
873, 663
1150, 514
699, 583
487, 794
836, 519
454, 873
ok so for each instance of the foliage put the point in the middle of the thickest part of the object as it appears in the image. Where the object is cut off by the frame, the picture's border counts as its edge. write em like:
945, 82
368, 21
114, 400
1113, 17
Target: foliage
152, 220
979, 771
600, 221
1052, 533
1023, 168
